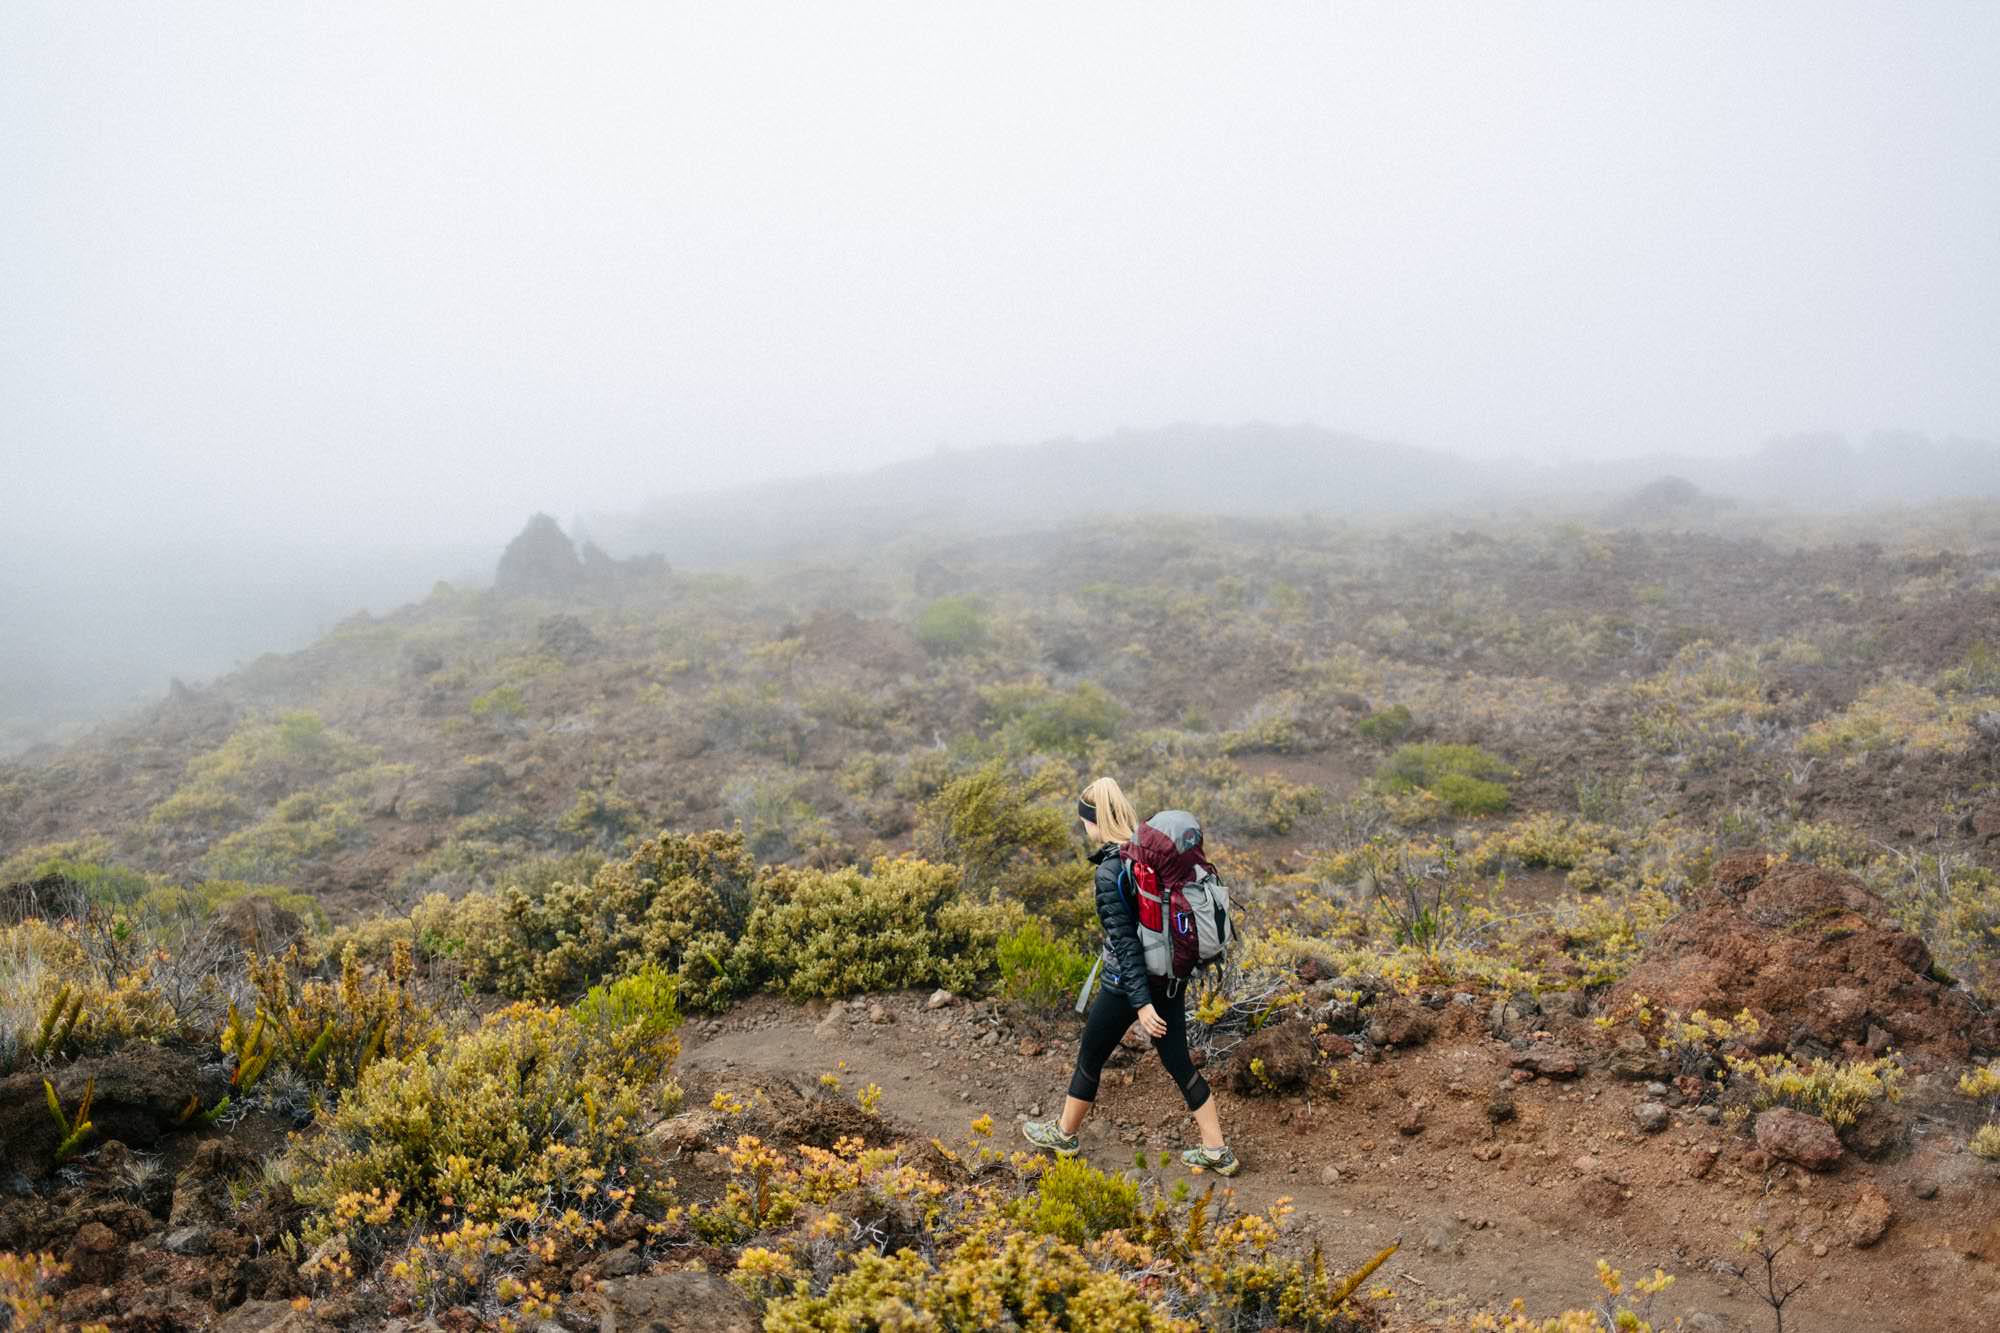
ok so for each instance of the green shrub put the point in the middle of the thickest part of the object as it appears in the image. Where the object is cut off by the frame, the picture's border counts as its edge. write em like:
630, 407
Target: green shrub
502, 701
1386, 726
836, 932
203, 900
106, 885
1035, 719
951, 625
602, 819
1460, 776
1038, 968
1010, 840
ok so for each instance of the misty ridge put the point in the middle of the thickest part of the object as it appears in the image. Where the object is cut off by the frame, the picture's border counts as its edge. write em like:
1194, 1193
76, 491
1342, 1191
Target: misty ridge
90, 629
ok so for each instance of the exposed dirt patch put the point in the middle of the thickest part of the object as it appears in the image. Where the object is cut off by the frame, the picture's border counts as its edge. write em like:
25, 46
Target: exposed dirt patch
1801, 948
1488, 1208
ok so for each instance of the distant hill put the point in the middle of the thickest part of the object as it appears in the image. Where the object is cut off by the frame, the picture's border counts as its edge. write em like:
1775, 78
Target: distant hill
1240, 470
1255, 470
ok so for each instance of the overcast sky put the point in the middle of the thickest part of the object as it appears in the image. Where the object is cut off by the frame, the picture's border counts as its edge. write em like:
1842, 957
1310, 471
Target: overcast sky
389, 271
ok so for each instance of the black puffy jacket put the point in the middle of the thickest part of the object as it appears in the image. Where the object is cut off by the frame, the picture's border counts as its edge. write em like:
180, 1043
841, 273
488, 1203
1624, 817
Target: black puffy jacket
1123, 955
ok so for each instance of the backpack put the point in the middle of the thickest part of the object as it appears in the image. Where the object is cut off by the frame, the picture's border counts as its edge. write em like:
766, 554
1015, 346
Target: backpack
1182, 908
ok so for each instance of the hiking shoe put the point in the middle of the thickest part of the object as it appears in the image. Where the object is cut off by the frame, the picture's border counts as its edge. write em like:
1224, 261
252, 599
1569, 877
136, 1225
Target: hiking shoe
1048, 1134
1219, 1160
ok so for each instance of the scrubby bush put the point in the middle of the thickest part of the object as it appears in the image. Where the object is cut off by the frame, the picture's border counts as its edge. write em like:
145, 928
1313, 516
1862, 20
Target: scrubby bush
63, 991
302, 827
84, 866
1011, 840
536, 1111
904, 923
1834, 1090
951, 625
1079, 1203
261, 762
1386, 726
649, 907
1038, 968
1894, 715
330, 1030
602, 818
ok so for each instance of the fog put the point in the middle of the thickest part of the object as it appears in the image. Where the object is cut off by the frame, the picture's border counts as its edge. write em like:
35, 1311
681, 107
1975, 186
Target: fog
328, 298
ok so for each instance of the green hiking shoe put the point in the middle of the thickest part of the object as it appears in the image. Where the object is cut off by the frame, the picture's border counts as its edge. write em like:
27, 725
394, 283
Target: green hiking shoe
1219, 1160
1048, 1134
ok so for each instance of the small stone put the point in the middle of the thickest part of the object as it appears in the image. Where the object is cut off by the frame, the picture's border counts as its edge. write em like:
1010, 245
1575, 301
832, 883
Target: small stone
1329, 1175
1819, 1250
1586, 1164
1030, 1048
1702, 1160
940, 999
188, 1240
1868, 1220
1411, 1122
1925, 1188
877, 1014
1548, 1059
95, 1255
1651, 1117
1500, 1107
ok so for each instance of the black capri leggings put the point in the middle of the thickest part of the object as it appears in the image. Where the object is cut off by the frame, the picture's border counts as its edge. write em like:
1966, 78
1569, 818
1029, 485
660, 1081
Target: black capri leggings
1110, 1015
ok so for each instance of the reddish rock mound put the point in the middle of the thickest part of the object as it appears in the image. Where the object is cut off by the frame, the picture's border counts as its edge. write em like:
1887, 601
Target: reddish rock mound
1814, 956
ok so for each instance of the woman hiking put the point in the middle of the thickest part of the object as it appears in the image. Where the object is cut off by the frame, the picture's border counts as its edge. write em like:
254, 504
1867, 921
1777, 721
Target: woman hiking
1129, 992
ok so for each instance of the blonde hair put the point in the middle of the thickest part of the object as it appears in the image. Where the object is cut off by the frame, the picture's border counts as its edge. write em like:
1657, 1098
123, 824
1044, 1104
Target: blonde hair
1116, 820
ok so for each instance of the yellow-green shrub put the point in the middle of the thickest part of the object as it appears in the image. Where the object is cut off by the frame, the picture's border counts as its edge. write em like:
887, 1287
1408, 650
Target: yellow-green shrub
1894, 715
673, 891
1079, 1203
1460, 776
113, 1000
260, 762
1835, 1091
1015, 1280
904, 923
332, 1030
537, 1108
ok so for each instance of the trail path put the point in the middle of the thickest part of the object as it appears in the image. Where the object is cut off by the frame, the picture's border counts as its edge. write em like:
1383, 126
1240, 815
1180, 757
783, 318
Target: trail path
1565, 1184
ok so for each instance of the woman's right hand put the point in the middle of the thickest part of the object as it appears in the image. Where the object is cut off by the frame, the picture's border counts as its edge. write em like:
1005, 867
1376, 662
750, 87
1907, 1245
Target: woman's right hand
1149, 1019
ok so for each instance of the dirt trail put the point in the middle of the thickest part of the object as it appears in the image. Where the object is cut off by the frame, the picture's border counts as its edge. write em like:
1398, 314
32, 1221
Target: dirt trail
1530, 1222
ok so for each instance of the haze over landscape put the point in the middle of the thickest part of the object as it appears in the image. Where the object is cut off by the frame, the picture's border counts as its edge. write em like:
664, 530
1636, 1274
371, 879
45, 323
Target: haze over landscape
348, 295
563, 569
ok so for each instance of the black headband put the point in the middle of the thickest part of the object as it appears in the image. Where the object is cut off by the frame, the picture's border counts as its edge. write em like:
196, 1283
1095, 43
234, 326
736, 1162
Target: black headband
1086, 810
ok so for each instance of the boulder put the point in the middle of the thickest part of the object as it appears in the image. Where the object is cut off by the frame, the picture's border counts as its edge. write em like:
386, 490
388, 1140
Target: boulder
139, 1091
676, 1300
1794, 1136
1398, 1022
1273, 1059
259, 924
1806, 948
